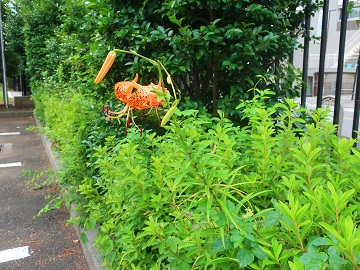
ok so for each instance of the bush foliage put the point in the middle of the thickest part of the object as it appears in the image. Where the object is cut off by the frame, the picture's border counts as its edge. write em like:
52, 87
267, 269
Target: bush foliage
210, 195
213, 48
279, 192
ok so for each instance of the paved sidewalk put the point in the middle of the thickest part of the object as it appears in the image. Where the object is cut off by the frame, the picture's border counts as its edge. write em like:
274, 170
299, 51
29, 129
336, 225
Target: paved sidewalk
346, 112
25, 243
346, 101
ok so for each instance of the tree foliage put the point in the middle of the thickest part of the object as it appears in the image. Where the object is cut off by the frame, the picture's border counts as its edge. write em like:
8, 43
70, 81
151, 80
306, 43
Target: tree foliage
14, 41
213, 48
280, 192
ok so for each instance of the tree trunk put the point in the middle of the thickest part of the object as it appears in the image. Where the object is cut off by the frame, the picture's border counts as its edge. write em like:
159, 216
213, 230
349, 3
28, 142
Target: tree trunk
196, 85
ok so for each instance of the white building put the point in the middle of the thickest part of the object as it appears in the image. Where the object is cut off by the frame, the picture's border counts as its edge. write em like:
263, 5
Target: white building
352, 48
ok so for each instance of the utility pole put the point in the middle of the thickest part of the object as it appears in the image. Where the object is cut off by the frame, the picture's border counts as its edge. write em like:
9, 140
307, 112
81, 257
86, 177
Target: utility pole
5, 95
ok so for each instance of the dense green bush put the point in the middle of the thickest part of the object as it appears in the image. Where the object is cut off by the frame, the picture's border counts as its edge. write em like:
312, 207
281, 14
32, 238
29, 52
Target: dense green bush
213, 56
279, 193
203, 193
213, 49
210, 195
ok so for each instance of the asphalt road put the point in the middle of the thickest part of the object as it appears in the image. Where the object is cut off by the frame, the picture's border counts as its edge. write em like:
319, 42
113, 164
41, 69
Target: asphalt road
26, 243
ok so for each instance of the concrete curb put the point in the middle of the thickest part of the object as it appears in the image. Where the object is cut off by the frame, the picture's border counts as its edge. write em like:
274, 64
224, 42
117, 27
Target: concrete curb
16, 113
90, 252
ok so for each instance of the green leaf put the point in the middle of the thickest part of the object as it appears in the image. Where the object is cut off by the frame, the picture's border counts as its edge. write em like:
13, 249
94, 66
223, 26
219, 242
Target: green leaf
357, 259
219, 246
335, 261
226, 63
350, 6
296, 264
236, 238
320, 241
333, 232
273, 218
347, 226
196, 34
183, 266
316, 265
245, 257
228, 214
277, 248
258, 252
90, 224
161, 247
216, 21
312, 260
84, 238
172, 244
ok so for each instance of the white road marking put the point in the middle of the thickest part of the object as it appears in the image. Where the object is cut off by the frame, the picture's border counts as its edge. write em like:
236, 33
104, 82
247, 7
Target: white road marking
7, 165
9, 133
14, 254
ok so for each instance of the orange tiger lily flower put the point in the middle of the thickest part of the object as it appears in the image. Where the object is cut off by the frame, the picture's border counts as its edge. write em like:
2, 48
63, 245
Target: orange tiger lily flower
110, 58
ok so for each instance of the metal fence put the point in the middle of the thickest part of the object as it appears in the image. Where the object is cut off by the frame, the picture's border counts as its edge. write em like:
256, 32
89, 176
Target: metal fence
335, 60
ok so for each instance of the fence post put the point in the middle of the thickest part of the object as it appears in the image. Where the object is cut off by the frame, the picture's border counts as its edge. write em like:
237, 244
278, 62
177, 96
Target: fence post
355, 126
5, 95
340, 67
305, 56
324, 35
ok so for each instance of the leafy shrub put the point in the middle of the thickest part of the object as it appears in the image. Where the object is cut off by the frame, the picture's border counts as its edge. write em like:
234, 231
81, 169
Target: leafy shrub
65, 115
210, 195
278, 193
214, 49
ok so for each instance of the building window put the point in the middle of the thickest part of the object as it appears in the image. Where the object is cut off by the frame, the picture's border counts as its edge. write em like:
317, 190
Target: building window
355, 13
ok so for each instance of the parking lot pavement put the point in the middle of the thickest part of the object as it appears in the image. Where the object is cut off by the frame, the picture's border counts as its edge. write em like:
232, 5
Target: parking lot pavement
26, 243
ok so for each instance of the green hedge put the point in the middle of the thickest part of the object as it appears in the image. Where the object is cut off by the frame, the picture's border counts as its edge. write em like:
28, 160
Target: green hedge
280, 193
214, 49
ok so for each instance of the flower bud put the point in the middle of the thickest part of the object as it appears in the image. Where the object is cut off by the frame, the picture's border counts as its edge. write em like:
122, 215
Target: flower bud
105, 67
